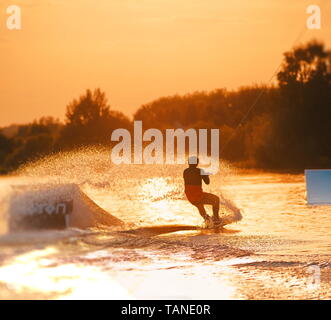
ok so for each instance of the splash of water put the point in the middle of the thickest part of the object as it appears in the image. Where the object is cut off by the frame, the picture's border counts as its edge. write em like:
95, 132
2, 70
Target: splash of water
125, 187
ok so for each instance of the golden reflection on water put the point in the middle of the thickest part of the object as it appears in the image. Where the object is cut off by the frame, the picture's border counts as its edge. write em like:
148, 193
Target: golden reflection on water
164, 203
36, 273
155, 189
276, 221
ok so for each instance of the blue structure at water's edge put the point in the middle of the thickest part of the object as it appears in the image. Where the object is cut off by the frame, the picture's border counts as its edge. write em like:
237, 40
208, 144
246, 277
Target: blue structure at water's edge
318, 185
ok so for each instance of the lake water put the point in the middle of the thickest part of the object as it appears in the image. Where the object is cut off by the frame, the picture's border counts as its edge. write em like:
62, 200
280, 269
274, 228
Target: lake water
280, 249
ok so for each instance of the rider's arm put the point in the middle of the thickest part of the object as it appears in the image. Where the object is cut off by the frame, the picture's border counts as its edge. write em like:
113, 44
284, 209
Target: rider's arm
205, 178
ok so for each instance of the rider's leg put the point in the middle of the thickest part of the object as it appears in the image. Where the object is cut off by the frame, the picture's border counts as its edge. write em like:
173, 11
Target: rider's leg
202, 210
211, 199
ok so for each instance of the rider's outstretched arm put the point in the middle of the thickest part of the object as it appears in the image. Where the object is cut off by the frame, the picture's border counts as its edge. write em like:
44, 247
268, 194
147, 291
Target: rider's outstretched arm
205, 178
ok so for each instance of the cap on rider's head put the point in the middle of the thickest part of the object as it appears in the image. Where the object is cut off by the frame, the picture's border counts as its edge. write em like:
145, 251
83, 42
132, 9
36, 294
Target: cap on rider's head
193, 161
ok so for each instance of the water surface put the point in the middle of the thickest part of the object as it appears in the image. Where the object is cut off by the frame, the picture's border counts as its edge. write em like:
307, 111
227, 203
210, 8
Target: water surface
266, 255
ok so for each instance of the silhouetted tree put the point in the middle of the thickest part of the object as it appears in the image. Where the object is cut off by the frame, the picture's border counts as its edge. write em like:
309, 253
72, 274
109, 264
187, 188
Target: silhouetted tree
304, 121
305, 64
288, 128
6, 147
89, 121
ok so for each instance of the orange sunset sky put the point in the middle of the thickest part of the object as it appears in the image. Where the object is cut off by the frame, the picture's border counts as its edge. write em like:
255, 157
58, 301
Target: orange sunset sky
139, 50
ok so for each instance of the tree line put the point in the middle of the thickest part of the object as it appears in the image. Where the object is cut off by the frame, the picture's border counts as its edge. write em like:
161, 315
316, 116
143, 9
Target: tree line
286, 126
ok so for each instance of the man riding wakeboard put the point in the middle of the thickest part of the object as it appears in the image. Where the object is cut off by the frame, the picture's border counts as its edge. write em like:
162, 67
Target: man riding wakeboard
193, 177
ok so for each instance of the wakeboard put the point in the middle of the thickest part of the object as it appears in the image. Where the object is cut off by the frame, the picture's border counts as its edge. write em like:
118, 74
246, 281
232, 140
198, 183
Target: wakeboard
153, 231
